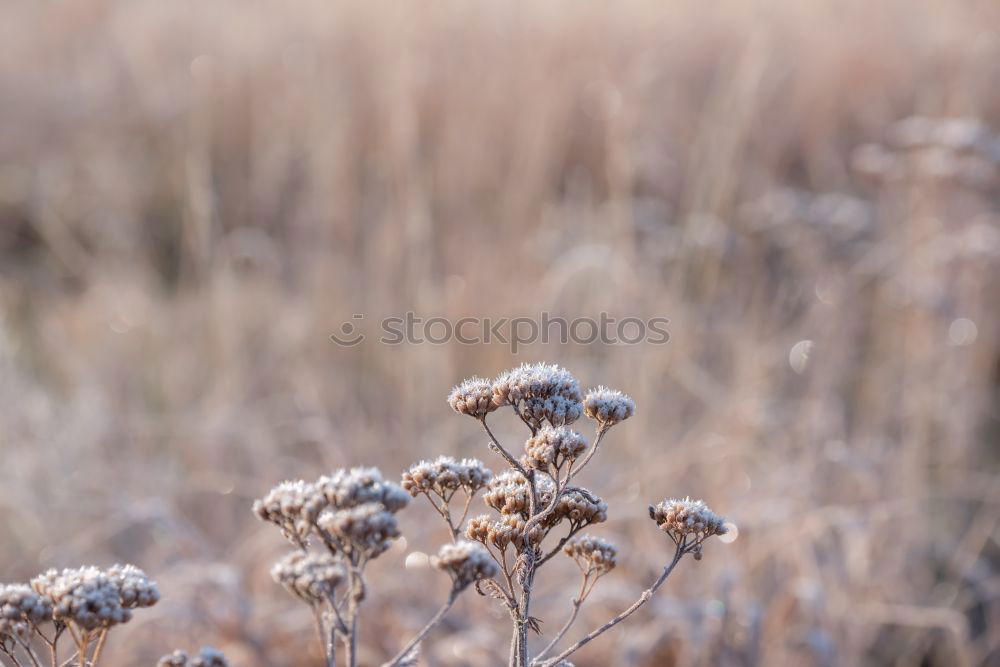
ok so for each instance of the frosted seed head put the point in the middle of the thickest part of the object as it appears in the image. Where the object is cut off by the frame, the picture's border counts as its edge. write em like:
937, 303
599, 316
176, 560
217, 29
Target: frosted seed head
293, 506
541, 393
592, 554
683, 518
608, 406
135, 589
465, 563
346, 489
20, 609
444, 475
474, 397
368, 529
85, 597
313, 578
551, 447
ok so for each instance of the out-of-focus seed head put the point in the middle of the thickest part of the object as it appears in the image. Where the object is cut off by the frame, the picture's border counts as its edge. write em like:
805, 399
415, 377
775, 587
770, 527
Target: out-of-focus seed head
20, 609
608, 406
465, 563
293, 506
207, 657
313, 578
85, 597
474, 397
551, 447
368, 529
540, 393
683, 518
346, 489
444, 475
135, 589
592, 554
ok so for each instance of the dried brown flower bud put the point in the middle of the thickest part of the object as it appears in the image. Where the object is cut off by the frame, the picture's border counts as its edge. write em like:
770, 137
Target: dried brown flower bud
313, 578
85, 597
607, 406
508, 493
478, 528
540, 392
444, 475
592, 554
20, 609
135, 589
345, 489
368, 529
551, 447
474, 397
683, 518
465, 562
293, 506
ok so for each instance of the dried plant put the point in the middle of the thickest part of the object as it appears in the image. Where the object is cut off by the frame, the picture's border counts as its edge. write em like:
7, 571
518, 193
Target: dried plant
84, 603
351, 516
207, 657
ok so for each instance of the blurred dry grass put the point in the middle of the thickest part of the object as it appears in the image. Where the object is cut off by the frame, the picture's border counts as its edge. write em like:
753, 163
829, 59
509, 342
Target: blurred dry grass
194, 195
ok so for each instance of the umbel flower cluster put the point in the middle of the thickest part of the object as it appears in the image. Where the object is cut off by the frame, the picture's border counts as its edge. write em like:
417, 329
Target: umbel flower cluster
339, 523
82, 603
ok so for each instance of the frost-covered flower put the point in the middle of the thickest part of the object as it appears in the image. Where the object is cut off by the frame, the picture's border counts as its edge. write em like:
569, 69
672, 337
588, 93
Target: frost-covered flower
135, 589
20, 609
551, 447
608, 406
474, 397
540, 393
578, 506
345, 489
368, 529
465, 562
85, 597
683, 518
313, 578
207, 657
592, 554
294, 506
444, 475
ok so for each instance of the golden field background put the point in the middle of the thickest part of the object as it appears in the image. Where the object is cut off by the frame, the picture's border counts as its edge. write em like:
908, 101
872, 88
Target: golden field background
195, 195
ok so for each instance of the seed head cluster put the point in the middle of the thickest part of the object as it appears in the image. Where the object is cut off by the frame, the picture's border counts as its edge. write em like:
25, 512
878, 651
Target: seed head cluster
89, 598
20, 609
465, 563
366, 529
540, 393
207, 657
592, 554
346, 489
580, 507
551, 447
444, 476
509, 529
474, 397
293, 506
311, 577
135, 589
687, 518
607, 406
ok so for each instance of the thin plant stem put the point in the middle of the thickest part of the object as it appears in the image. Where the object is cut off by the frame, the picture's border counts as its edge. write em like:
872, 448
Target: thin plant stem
643, 599
431, 624
577, 603
100, 646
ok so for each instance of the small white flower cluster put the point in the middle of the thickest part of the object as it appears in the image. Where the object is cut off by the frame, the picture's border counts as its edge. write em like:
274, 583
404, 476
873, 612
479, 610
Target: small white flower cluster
444, 476
207, 657
683, 518
20, 609
607, 406
465, 563
311, 577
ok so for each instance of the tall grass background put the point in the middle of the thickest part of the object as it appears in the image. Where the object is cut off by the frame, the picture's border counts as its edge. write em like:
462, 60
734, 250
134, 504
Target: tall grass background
194, 195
